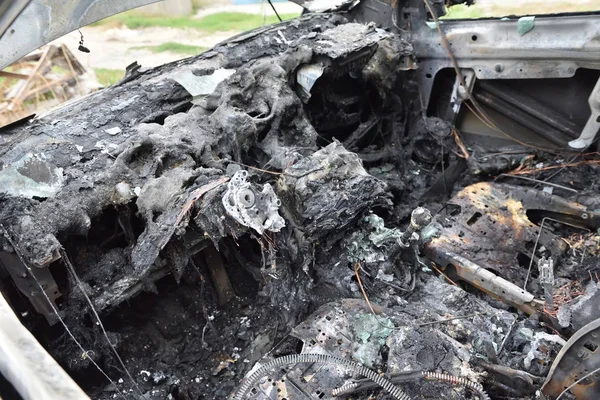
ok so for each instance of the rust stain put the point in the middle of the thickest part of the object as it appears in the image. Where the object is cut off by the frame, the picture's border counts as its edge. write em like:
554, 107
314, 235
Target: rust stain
488, 226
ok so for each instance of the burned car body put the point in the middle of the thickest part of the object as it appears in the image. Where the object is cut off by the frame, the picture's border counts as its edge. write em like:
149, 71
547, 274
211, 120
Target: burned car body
366, 192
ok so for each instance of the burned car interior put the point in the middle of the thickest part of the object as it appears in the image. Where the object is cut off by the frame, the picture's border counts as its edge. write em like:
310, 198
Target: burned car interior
368, 201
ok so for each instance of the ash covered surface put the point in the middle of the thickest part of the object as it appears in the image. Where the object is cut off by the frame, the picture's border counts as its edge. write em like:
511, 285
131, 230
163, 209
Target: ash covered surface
206, 229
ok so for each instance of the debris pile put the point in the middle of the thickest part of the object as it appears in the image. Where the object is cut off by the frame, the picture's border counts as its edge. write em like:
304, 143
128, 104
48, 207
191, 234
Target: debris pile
297, 227
42, 80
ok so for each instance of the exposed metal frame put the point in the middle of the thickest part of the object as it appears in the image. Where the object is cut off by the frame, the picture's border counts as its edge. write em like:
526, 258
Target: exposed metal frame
494, 49
28, 366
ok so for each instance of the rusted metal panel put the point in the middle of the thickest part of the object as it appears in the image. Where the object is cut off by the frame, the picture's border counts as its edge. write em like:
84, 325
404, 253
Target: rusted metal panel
578, 359
486, 224
485, 235
492, 284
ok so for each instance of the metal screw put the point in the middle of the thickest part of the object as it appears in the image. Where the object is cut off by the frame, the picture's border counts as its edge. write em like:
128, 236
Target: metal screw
499, 68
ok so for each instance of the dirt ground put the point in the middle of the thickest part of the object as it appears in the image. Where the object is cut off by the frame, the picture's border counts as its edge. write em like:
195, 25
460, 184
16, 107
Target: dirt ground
115, 48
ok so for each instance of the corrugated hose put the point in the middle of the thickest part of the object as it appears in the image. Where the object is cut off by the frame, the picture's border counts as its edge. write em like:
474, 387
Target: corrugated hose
381, 381
353, 387
455, 380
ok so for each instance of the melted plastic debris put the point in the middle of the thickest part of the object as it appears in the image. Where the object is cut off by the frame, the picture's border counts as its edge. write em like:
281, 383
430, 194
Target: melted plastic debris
31, 176
306, 77
366, 245
249, 207
200, 86
372, 333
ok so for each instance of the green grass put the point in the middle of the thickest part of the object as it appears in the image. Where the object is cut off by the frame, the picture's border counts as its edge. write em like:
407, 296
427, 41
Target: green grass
5, 82
107, 77
224, 21
173, 48
236, 21
461, 11
57, 69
